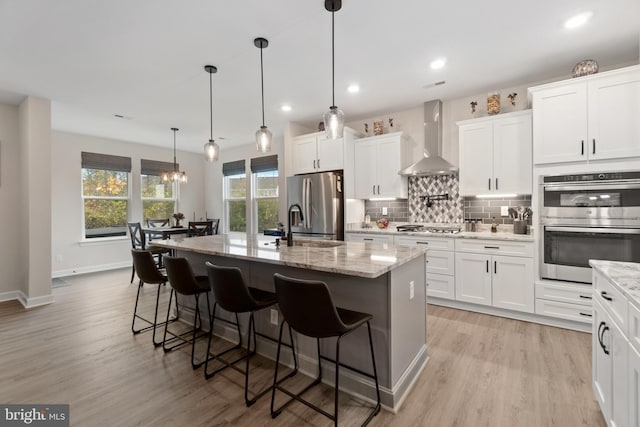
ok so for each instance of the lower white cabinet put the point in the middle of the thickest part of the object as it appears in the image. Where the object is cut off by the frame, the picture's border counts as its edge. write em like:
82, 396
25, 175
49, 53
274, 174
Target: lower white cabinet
369, 237
634, 387
495, 280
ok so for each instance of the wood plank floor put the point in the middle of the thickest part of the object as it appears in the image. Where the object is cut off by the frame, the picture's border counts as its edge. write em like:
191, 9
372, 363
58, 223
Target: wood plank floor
483, 370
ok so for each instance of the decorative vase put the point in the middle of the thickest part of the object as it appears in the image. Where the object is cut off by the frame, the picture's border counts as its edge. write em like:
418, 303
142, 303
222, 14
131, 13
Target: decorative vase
378, 127
493, 103
177, 223
584, 68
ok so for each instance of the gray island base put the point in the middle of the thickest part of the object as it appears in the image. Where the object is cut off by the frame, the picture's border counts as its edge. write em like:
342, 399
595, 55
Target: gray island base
384, 280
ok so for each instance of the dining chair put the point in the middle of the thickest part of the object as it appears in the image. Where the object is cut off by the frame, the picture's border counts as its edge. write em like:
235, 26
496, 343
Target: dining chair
214, 225
155, 223
139, 241
200, 228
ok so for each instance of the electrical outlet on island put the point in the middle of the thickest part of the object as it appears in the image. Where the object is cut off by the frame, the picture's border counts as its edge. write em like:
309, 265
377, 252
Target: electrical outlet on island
274, 316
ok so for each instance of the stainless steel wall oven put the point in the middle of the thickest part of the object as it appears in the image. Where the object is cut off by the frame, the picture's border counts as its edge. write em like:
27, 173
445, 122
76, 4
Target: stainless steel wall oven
588, 216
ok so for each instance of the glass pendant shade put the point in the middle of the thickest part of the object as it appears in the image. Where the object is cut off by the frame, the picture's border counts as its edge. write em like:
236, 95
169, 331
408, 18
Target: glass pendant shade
263, 139
334, 123
175, 175
211, 151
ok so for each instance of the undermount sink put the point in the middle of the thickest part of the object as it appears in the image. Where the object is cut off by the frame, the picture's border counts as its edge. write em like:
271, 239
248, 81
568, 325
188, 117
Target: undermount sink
317, 243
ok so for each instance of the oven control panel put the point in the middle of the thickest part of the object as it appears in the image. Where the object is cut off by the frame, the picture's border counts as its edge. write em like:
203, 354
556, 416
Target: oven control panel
605, 176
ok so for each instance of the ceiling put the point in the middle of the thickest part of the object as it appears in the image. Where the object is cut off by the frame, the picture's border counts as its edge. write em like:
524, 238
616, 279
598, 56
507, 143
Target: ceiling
144, 59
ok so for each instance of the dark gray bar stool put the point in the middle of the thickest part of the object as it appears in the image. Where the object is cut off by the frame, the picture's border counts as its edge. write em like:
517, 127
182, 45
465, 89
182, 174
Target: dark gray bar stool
184, 282
308, 308
233, 295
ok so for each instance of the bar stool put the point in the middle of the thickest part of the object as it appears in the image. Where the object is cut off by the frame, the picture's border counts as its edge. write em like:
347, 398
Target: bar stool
184, 282
233, 295
148, 272
308, 308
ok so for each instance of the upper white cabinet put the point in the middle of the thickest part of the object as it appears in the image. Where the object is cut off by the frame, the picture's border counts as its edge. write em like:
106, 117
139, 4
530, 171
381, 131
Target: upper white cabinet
589, 118
495, 154
315, 153
378, 159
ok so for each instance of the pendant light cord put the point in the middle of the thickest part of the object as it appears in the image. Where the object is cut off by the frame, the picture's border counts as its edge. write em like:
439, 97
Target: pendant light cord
262, 82
175, 164
211, 105
333, 61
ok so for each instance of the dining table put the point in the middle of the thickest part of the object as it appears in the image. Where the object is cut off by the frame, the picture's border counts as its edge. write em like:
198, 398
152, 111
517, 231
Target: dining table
164, 232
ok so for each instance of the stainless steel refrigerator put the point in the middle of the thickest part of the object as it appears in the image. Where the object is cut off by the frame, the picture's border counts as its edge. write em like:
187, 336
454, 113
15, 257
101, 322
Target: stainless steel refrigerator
321, 198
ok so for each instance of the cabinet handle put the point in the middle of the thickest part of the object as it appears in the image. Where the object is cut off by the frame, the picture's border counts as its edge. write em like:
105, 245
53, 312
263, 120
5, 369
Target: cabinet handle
492, 247
496, 184
367, 239
586, 314
585, 297
373, 189
594, 146
495, 267
318, 163
314, 164
487, 266
378, 190
422, 243
604, 347
489, 183
606, 296
582, 149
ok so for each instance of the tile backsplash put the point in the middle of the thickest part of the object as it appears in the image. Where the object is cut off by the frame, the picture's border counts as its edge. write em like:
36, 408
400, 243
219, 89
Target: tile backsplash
456, 209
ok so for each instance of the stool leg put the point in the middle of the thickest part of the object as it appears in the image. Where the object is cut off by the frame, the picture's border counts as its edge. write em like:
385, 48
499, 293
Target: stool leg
376, 410
336, 394
133, 273
275, 374
135, 309
252, 326
196, 318
155, 317
319, 378
166, 326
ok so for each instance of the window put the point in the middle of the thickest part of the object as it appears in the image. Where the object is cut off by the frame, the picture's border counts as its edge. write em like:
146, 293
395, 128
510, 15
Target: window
105, 193
158, 197
265, 192
235, 193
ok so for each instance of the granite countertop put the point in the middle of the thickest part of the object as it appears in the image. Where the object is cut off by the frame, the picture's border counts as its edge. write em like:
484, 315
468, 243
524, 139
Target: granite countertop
625, 275
505, 232
363, 259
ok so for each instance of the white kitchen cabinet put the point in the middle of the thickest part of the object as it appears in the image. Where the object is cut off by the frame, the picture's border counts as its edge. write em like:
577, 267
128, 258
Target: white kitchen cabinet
495, 154
440, 263
496, 273
377, 162
315, 153
564, 301
601, 362
634, 387
369, 237
587, 119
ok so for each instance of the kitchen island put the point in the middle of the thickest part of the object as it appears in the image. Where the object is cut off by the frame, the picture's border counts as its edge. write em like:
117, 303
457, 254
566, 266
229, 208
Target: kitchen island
386, 281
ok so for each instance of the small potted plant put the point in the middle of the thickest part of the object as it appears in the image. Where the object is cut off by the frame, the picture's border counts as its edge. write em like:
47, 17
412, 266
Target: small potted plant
178, 216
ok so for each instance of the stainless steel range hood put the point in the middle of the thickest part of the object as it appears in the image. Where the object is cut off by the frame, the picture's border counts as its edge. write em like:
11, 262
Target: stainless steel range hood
432, 163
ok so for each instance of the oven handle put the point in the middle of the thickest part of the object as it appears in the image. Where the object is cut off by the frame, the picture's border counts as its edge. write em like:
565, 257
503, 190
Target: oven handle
582, 187
599, 230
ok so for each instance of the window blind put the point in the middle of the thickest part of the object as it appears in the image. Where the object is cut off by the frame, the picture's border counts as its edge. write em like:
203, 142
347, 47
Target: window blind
106, 162
264, 164
155, 167
233, 168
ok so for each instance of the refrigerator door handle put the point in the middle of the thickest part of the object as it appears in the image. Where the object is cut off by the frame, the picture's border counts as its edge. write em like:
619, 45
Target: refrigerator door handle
307, 214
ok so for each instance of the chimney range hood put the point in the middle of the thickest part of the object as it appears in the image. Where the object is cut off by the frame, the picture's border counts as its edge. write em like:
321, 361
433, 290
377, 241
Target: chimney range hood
432, 163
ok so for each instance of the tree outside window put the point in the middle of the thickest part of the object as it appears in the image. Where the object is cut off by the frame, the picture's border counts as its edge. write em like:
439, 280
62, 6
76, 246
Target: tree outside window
158, 198
105, 197
236, 202
265, 185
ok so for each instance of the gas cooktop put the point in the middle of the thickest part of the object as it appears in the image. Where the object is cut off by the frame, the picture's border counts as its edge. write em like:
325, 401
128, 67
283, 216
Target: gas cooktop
430, 228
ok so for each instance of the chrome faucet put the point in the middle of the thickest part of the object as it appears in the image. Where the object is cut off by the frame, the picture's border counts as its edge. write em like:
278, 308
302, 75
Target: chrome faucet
289, 233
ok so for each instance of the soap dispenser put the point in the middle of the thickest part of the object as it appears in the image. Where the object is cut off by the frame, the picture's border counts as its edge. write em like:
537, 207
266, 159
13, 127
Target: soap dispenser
494, 226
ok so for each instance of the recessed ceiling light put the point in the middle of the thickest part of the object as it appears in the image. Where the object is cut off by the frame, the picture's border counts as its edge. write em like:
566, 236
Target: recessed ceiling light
436, 64
286, 108
578, 20
354, 88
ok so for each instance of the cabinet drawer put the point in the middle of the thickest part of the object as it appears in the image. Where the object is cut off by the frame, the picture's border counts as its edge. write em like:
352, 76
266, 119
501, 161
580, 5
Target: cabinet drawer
440, 286
612, 300
495, 247
573, 294
437, 243
634, 326
441, 262
362, 237
562, 310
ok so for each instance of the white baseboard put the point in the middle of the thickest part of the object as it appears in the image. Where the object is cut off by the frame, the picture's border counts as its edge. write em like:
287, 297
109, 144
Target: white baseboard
26, 301
91, 269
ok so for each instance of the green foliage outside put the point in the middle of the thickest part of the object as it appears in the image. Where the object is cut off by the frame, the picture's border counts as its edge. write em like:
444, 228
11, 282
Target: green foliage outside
267, 214
105, 210
157, 209
237, 215
101, 183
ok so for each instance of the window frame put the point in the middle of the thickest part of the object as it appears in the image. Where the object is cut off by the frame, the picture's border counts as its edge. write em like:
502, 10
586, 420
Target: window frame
255, 198
175, 199
126, 198
227, 198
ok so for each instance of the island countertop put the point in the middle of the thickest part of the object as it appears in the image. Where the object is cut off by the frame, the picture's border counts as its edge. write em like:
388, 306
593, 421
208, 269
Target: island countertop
625, 275
363, 259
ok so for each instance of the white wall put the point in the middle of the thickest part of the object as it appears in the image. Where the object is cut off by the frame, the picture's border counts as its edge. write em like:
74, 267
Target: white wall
10, 204
215, 180
70, 254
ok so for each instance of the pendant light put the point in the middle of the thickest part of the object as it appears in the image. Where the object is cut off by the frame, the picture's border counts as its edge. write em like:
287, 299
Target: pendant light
263, 135
334, 118
175, 175
211, 149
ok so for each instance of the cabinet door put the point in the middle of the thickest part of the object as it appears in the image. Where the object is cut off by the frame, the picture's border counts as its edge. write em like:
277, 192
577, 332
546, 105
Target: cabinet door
634, 387
512, 169
389, 164
473, 278
330, 154
614, 112
513, 283
560, 124
619, 350
304, 154
440, 286
601, 362
365, 169
476, 159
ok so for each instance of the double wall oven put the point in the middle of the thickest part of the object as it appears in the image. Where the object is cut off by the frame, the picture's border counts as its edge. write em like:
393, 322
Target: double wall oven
588, 216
